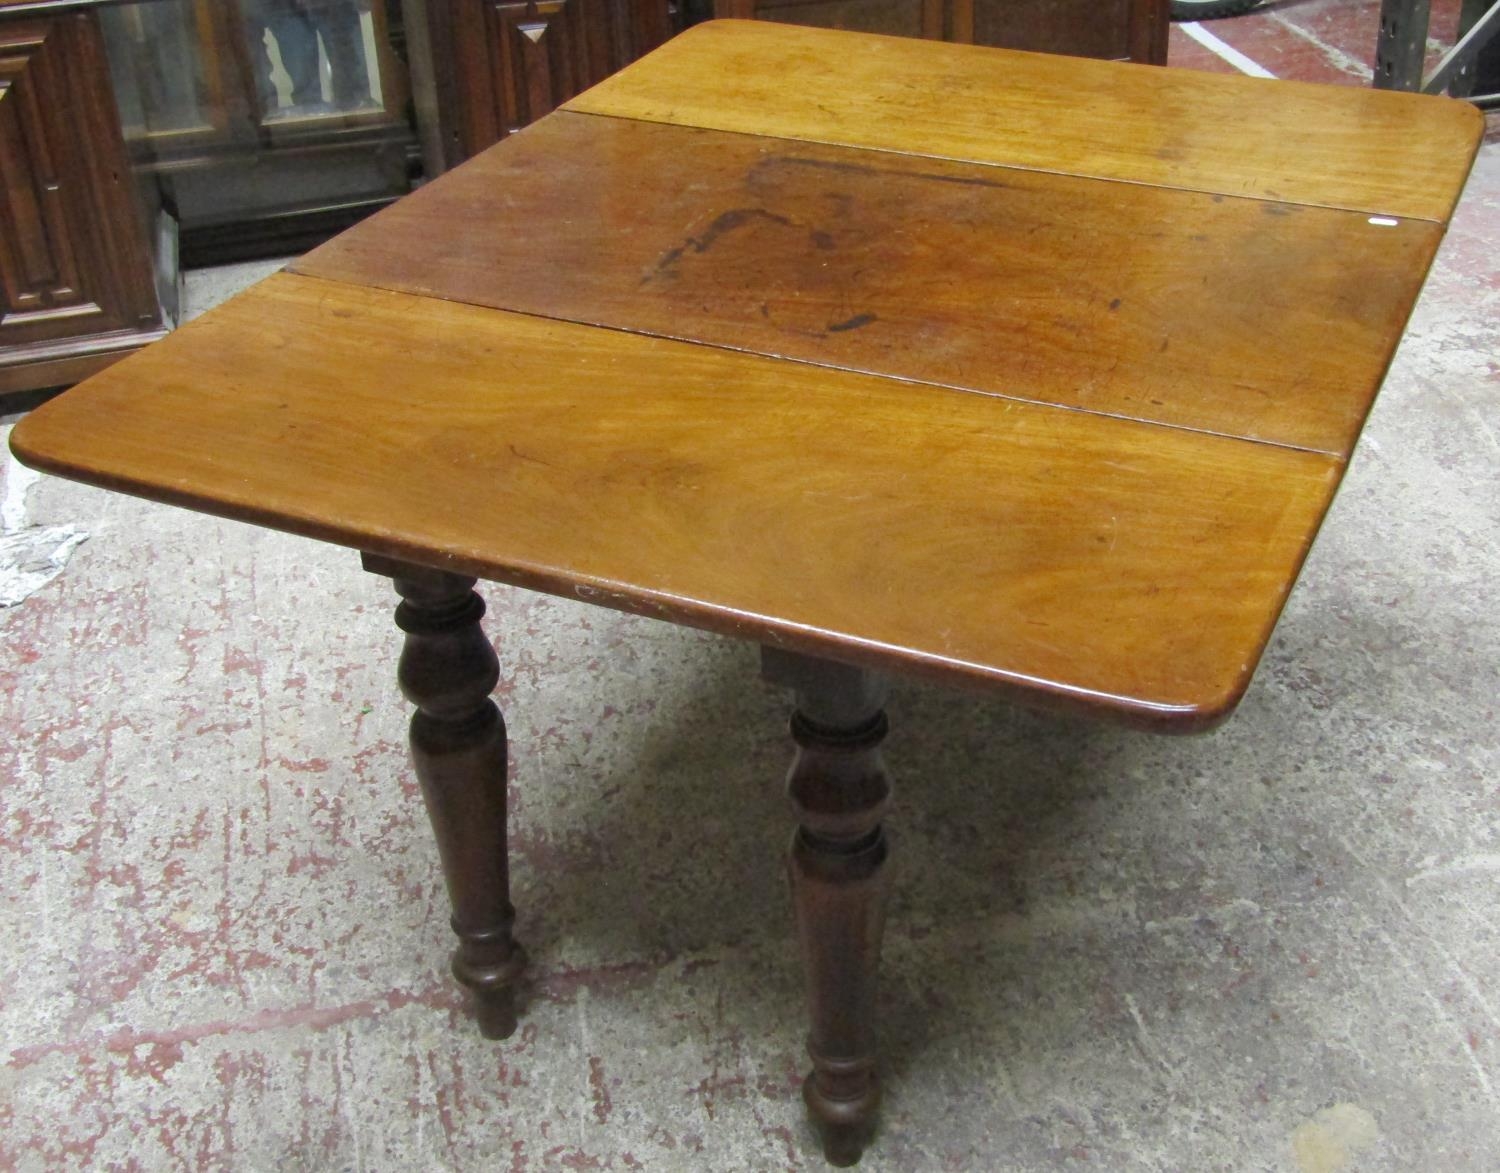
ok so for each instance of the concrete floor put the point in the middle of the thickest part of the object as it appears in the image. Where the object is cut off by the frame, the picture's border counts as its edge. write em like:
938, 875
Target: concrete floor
1273, 947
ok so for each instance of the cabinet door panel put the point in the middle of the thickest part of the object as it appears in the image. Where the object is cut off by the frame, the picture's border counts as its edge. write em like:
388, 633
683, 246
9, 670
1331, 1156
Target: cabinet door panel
37, 259
545, 52
497, 65
73, 252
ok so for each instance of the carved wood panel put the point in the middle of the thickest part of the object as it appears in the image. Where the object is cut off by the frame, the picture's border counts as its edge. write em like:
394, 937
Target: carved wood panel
74, 258
545, 52
497, 65
37, 261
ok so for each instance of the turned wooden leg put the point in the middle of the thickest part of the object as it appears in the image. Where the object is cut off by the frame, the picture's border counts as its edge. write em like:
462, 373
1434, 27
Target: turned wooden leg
839, 791
447, 670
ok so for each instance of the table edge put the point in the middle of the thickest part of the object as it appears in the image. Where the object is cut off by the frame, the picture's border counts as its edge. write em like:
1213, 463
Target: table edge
723, 619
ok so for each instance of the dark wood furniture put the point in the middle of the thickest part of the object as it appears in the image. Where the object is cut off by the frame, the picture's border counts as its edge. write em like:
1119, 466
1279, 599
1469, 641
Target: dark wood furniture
1045, 391
78, 278
483, 70
1114, 29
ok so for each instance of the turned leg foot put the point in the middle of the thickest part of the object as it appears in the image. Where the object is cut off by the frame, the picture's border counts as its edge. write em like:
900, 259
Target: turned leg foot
839, 791
447, 670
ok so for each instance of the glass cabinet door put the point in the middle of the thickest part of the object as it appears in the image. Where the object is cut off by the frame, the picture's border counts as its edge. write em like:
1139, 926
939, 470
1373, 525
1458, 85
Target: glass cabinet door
263, 125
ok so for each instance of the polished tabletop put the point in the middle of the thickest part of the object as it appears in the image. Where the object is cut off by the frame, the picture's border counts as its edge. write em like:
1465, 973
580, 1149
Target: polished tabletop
1006, 369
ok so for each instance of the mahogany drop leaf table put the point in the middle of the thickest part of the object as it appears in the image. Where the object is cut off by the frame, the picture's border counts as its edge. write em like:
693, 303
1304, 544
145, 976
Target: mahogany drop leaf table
1022, 372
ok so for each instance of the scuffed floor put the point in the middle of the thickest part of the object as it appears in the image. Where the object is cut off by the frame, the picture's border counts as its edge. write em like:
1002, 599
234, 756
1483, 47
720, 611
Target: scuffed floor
1274, 947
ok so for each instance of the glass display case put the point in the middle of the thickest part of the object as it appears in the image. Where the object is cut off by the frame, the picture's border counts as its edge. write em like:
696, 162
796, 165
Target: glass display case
262, 125
137, 135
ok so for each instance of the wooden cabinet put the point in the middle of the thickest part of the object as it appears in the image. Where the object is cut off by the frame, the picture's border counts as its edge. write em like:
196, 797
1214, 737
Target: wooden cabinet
77, 280
267, 124
1133, 29
485, 68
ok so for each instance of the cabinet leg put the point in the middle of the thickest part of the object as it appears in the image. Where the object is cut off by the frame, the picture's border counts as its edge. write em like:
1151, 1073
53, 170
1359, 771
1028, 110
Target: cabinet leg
447, 670
839, 791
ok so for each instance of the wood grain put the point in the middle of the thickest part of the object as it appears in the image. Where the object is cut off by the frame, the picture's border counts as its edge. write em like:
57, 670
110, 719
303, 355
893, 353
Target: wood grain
1245, 317
1374, 151
1073, 559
